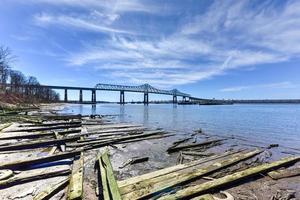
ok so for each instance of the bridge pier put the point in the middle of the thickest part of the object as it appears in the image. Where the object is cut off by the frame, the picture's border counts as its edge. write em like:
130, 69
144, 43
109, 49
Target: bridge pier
174, 99
66, 95
80, 96
184, 98
122, 97
146, 98
93, 96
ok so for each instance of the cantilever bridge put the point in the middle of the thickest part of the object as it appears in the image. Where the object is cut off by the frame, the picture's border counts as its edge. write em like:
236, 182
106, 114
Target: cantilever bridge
146, 89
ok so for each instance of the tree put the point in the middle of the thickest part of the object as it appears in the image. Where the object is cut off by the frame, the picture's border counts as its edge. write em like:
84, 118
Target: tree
6, 58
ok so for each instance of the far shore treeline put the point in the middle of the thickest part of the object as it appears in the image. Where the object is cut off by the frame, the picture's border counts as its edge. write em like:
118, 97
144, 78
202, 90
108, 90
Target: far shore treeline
12, 82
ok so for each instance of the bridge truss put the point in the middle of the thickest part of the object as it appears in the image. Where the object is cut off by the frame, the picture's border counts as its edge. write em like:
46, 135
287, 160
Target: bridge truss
146, 88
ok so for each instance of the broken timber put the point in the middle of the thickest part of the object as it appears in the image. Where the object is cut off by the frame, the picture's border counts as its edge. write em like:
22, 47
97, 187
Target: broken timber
75, 190
52, 190
46, 128
147, 188
19, 178
109, 183
40, 160
285, 173
37, 144
205, 187
206, 143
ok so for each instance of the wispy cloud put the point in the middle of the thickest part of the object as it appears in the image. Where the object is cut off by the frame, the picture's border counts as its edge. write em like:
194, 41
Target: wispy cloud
280, 85
228, 35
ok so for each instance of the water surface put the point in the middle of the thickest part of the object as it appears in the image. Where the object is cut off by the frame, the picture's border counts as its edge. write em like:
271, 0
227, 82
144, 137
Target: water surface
269, 123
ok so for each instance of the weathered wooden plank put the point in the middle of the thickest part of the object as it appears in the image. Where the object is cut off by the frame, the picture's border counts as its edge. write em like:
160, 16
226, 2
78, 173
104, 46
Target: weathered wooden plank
36, 144
136, 179
51, 124
205, 187
284, 173
51, 190
111, 126
134, 161
4, 126
45, 128
38, 135
20, 178
206, 143
40, 160
104, 182
58, 137
107, 171
162, 183
75, 190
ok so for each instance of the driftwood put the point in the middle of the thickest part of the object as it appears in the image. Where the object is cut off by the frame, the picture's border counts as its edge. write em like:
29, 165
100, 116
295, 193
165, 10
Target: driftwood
148, 188
134, 161
46, 128
108, 180
75, 190
61, 117
52, 124
52, 190
36, 144
195, 153
285, 173
133, 180
38, 135
19, 178
58, 137
205, 187
206, 143
46, 159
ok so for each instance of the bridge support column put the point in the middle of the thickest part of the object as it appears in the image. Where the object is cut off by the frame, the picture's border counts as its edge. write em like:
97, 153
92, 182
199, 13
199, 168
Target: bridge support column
146, 98
93, 96
174, 99
184, 99
80, 96
122, 97
66, 95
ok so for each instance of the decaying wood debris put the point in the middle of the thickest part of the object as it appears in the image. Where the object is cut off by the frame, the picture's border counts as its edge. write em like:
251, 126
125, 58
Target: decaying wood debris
60, 146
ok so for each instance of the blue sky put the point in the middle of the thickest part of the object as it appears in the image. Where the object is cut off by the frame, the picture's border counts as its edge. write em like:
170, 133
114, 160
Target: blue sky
211, 49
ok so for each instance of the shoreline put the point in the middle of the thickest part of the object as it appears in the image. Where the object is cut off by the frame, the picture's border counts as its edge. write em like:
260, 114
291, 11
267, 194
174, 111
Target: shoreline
155, 149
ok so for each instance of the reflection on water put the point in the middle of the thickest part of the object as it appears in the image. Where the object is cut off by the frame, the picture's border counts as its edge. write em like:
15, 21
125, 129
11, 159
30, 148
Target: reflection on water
272, 123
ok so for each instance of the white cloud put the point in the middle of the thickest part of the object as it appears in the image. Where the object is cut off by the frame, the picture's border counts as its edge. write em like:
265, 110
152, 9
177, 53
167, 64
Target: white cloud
280, 85
227, 35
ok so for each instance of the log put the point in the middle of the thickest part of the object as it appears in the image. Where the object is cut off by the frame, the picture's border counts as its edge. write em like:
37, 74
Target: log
46, 128
19, 178
133, 180
38, 135
75, 190
52, 190
229, 179
37, 144
206, 143
285, 173
148, 188
109, 183
46, 159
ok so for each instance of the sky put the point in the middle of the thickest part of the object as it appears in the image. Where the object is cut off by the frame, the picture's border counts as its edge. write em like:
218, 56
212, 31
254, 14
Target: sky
209, 49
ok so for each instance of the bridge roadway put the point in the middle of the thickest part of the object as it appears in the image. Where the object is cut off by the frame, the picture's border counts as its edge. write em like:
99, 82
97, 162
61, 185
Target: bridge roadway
146, 89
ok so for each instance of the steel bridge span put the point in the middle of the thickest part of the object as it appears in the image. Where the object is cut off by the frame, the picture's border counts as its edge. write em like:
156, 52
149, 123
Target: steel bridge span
145, 88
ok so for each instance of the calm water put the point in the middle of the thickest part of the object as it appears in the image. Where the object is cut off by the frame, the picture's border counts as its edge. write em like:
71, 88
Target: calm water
270, 123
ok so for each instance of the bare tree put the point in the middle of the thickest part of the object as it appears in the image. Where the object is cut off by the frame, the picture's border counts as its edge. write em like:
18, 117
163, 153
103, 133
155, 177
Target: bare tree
6, 58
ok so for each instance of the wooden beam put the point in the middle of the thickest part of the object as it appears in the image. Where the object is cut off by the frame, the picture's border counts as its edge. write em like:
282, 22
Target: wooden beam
36, 144
136, 179
109, 183
46, 128
206, 143
284, 173
51, 190
205, 187
46, 159
75, 191
147, 188
21, 178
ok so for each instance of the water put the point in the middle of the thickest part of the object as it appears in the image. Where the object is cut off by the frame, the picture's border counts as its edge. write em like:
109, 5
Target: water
268, 123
